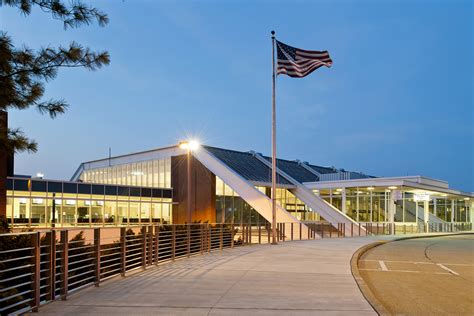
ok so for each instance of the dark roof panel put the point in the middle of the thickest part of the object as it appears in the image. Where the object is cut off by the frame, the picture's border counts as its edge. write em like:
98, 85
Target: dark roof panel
246, 165
252, 169
294, 170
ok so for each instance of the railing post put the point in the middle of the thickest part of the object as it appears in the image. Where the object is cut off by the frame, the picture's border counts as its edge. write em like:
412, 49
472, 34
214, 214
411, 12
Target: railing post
201, 229
232, 227
123, 250
221, 237
209, 238
188, 238
267, 227
301, 230
64, 264
37, 271
322, 230
97, 256
157, 244
292, 231
150, 245
143, 230
52, 265
259, 234
173, 241
249, 230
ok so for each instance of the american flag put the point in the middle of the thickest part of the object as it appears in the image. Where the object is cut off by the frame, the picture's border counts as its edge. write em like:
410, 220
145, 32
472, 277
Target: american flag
298, 63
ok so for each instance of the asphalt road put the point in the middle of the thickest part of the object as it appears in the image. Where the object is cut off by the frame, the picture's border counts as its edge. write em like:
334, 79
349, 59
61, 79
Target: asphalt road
425, 276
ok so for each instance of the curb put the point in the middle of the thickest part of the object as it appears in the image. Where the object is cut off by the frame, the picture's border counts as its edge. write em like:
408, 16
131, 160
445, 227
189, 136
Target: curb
363, 287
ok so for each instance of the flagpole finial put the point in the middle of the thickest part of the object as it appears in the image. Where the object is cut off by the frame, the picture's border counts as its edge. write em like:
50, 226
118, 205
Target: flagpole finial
273, 34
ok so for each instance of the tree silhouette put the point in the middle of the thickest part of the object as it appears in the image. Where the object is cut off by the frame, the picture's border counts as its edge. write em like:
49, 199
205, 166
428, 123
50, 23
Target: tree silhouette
23, 71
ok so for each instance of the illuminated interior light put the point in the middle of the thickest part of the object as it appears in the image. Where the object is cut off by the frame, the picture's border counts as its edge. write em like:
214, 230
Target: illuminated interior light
392, 187
37, 201
370, 188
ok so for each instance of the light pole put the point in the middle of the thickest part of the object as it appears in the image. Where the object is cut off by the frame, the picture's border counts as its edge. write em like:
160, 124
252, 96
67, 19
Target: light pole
189, 146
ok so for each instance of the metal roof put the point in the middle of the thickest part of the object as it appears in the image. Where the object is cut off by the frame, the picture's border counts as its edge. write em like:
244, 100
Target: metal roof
246, 165
252, 169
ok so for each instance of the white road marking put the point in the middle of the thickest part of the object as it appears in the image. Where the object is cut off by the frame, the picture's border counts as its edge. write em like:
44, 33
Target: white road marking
447, 269
422, 262
406, 271
382, 265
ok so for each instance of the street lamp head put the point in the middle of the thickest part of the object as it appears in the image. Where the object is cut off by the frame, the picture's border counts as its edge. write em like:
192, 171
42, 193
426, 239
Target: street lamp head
189, 145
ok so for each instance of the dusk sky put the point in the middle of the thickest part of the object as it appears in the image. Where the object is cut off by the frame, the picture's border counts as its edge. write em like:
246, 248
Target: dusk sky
398, 100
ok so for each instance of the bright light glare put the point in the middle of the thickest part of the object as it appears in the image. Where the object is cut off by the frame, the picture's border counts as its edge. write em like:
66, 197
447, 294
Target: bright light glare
370, 188
191, 145
392, 188
39, 175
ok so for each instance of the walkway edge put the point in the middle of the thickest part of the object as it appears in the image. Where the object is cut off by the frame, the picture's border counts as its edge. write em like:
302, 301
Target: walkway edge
363, 287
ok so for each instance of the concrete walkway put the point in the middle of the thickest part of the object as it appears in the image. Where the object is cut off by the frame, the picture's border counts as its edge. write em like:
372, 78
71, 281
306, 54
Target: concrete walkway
298, 278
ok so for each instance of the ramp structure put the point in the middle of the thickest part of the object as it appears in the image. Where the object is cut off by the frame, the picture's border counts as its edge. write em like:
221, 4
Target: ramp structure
256, 199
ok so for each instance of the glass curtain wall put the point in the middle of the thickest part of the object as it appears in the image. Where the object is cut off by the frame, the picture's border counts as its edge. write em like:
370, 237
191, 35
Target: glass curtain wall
102, 205
150, 173
231, 208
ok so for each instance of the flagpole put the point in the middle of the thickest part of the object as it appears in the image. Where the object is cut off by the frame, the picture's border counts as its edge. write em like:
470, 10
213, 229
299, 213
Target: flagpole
274, 239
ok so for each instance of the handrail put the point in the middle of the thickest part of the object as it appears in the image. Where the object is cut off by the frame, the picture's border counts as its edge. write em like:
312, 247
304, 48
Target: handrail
46, 266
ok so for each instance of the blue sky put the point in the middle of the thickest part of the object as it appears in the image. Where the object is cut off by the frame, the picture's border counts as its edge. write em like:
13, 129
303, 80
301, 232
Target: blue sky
397, 101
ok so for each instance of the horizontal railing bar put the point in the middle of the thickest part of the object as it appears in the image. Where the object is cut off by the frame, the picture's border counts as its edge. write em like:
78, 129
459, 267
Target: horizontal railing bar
14, 295
16, 277
82, 267
110, 254
16, 268
16, 304
79, 275
109, 260
15, 250
74, 283
80, 254
14, 259
110, 276
110, 265
15, 286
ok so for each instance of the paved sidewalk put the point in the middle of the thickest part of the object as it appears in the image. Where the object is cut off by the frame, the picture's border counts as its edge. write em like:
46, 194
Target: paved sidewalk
298, 278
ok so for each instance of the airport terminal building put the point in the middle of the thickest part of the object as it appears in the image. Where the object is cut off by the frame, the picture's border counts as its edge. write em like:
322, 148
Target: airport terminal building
226, 186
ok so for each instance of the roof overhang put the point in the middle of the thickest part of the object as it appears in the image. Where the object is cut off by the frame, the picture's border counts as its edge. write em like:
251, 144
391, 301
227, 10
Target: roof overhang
418, 182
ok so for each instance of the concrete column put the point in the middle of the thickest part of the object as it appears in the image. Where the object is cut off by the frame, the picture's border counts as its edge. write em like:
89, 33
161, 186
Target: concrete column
452, 211
357, 204
343, 194
434, 207
471, 210
426, 215
391, 208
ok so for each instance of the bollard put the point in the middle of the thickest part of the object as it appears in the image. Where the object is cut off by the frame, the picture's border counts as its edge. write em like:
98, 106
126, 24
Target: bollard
123, 249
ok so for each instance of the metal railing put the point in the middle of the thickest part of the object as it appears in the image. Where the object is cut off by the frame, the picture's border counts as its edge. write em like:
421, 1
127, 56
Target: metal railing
39, 267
